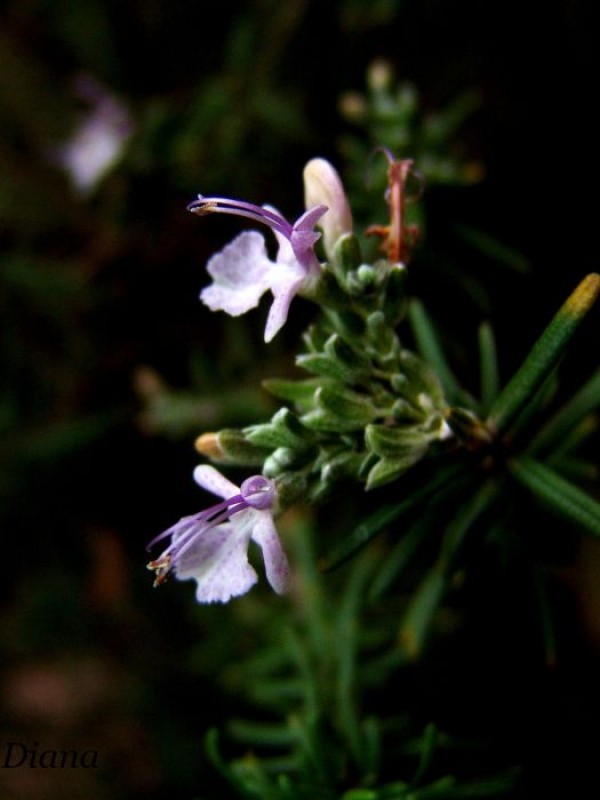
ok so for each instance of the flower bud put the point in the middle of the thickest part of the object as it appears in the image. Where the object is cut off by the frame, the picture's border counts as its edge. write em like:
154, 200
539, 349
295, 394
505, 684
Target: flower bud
230, 446
322, 186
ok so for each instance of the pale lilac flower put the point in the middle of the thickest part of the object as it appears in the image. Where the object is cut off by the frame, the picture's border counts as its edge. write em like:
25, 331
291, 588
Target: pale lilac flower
99, 139
322, 184
212, 546
242, 272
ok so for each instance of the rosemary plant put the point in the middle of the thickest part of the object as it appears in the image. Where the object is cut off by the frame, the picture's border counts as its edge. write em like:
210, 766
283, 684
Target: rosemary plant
360, 411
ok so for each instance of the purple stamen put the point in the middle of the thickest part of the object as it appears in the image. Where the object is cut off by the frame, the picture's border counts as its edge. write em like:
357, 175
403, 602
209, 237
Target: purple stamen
301, 236
194, 519
256, 492
212, 546
223, 205
188, 529
178, 548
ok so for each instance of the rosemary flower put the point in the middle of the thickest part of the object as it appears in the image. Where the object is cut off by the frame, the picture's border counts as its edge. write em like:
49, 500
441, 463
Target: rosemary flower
212, 546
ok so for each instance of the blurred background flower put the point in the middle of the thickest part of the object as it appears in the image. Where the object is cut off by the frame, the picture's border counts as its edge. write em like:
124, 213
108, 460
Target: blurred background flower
99, 138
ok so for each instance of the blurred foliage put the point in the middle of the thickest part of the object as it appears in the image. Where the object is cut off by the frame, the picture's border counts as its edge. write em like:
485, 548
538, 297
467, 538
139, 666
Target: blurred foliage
109, 366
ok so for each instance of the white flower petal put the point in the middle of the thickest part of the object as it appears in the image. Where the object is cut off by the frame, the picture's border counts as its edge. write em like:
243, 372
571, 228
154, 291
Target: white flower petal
285, 254
241, 274
265, 535
278, 313
211, 479
218, 561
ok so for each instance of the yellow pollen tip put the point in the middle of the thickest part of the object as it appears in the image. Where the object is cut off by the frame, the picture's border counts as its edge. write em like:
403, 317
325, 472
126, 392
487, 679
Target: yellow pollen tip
204, 207
161, 566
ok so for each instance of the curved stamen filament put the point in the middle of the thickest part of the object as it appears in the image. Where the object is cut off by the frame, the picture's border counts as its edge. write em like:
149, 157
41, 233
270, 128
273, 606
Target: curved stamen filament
224, 205
163, 565
207, 519
195, 519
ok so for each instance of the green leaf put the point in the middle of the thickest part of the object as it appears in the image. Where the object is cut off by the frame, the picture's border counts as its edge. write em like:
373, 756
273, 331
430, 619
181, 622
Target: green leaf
428, 745
424, 603
400, 556
339, 361
295, 391
371, 748
347, 630
559, 494
389, 469
395, 300
428, 596
573, 439
586, 400
343, 465
488, 366
339, 409
429, 347
261, 733
286, 460
467, 515
381, 337
320, 364
49, 442
361, 794
346, 257
211, 744
494, 248
544, 355
284, 430
419, 378
342, 352
383, 517
396, 442
448, 788
575, 469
